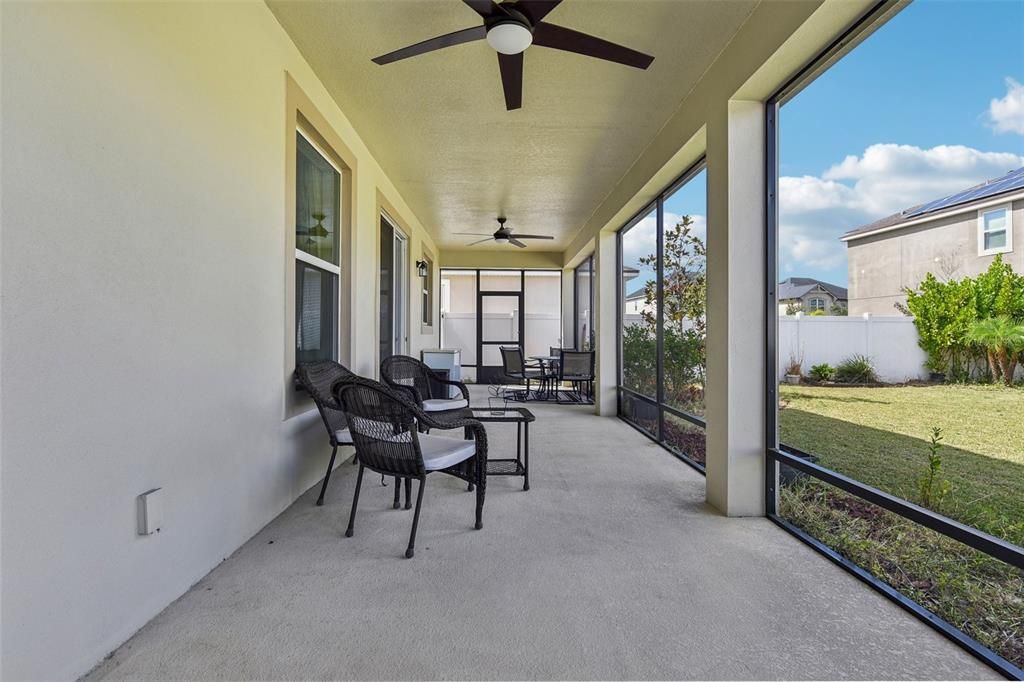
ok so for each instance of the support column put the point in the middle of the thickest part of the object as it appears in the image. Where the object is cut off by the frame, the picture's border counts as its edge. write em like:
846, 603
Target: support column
735, 392
606, 321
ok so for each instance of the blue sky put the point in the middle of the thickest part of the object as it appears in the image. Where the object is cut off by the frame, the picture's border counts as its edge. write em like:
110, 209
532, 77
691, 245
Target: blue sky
929, 104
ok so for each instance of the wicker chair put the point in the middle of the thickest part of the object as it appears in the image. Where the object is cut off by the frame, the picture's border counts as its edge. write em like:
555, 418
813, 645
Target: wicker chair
577, 368
385, 427
318, 379
419, 382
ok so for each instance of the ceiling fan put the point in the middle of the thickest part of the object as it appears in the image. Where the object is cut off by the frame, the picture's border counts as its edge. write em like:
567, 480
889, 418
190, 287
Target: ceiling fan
503, 236
510, 28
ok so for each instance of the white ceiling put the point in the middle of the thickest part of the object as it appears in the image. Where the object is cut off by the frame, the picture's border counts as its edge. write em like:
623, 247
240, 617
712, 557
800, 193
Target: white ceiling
438, 126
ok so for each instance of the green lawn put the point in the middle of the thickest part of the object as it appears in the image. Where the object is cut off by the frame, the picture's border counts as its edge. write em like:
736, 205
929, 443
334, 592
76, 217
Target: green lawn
880, 436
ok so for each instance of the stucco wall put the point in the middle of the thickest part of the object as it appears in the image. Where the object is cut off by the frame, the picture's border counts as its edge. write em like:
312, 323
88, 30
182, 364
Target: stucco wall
143, 311
881, 266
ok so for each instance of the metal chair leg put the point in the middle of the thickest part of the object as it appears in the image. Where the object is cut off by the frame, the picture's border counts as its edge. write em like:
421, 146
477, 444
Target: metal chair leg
355, 501
415, 519
327, 477
408, 493
398, 492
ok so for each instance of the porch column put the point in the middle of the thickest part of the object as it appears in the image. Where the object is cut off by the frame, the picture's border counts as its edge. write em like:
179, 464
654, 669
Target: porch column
606, 296
735, 392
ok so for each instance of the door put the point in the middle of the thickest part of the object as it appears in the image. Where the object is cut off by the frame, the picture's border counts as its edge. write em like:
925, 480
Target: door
499, 323
394, 274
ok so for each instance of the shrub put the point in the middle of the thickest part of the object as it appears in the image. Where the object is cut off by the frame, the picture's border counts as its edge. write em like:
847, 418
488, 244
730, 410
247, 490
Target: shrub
856, 369
822, 372
932, 486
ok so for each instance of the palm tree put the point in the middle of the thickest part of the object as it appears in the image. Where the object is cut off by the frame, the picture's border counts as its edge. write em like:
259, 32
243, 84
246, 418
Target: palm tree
1002, 338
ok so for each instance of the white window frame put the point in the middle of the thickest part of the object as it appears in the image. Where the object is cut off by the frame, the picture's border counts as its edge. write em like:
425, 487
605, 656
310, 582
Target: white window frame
982, 251
320, 263
810, 303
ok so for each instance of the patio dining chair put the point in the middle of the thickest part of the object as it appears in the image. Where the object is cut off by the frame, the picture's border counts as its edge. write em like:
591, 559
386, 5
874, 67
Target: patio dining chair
577, 368
419, 382
385, 428
514, 367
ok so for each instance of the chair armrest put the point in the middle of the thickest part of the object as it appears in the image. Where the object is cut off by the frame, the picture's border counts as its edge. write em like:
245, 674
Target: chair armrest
448, 382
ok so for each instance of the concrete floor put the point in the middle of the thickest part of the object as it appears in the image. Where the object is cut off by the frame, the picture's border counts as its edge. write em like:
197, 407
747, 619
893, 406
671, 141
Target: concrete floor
610, 567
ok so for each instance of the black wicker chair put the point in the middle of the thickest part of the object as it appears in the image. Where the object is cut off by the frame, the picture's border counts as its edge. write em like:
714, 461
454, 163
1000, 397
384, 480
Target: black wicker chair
577, 368
421, 384
514, 367
385, 427
318, 379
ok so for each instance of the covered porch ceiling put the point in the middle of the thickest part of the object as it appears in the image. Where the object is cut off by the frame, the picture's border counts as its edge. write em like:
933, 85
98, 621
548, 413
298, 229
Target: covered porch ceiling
437, 123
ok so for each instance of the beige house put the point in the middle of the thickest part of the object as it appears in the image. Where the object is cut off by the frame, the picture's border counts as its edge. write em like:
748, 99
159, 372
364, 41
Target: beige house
952, 237
809, 295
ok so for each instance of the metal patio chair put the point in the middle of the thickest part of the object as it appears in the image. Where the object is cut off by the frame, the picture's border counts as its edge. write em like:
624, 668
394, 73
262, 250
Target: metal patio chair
514, 367
385, 426
577, 368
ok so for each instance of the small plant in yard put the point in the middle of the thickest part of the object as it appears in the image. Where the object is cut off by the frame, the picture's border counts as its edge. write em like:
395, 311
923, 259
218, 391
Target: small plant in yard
822, 372
1001, 338
794, 368
932, 486
856, 369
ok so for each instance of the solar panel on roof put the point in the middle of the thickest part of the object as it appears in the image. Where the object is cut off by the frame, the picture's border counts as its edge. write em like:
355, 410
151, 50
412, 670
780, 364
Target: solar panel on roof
1011, 181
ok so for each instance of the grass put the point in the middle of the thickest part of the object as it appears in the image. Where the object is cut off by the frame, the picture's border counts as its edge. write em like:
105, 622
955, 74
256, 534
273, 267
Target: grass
879, 436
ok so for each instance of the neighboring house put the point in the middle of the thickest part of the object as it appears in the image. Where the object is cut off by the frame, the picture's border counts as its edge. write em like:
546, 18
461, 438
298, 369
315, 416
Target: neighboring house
809, 295
953, 237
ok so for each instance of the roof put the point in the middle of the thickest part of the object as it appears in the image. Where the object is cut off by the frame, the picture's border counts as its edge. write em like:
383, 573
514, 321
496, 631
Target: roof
798, 287
990, 189
639, 293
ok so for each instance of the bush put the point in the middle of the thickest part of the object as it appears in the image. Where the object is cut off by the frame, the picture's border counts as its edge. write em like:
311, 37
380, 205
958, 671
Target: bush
822, 372
856, 369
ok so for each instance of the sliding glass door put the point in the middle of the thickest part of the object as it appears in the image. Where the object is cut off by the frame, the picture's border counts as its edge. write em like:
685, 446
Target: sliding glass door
394, 276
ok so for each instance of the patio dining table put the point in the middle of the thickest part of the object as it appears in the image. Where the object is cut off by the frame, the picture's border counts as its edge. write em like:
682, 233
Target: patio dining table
548, 365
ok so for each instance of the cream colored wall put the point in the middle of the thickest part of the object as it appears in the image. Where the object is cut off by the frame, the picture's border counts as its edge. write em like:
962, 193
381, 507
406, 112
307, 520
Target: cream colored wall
144, 272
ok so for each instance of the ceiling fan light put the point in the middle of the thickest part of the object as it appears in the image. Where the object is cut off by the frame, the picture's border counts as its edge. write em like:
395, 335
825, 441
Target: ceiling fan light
509, 37
502, 239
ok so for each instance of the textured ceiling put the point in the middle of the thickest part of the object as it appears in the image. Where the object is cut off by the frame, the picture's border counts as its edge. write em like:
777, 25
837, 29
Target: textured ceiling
437, 123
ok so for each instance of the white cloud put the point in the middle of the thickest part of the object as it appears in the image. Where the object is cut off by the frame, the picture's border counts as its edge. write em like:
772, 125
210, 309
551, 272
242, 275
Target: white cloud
641, 240
815, 211
1006, 114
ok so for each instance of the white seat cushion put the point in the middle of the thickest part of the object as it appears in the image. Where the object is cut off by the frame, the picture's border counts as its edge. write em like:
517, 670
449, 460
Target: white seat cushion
343, 436
440, 452
443, 404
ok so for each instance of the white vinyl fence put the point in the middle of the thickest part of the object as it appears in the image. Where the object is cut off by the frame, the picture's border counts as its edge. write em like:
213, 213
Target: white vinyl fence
890, 343
543, 330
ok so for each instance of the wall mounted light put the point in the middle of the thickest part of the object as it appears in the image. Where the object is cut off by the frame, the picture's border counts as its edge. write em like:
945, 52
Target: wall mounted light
421, 268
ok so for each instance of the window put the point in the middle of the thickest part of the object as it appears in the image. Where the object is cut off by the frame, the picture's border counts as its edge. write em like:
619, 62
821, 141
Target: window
317, 253
428, 292
815, 304
584, 329
663, 322
995, 231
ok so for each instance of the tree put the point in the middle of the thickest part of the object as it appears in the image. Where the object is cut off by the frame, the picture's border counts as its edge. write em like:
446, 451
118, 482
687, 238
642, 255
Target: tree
1002, 339
684, 306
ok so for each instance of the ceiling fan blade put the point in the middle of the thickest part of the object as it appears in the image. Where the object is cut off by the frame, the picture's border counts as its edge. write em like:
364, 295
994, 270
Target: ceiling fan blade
466, 35
485, 8
473, 234
480, 241
560, 38
536, 10
511, 66
532, 236
516, 242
